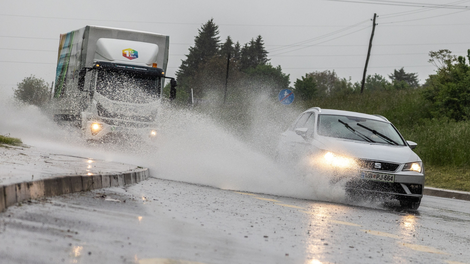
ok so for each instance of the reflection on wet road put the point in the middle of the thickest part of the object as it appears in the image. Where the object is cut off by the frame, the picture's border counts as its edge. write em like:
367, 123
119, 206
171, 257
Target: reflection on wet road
161, 221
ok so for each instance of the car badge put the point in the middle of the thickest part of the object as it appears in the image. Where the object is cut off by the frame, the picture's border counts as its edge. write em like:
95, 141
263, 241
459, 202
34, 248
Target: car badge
377, 165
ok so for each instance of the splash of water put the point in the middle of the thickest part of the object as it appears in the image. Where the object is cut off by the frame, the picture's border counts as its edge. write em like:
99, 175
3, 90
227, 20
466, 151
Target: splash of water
192, 147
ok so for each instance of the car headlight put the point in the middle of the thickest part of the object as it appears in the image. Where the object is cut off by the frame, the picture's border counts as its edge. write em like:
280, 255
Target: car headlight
413, 166
338, 161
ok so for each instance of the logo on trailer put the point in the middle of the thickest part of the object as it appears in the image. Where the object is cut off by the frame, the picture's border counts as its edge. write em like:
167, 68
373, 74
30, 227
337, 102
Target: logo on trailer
130, 54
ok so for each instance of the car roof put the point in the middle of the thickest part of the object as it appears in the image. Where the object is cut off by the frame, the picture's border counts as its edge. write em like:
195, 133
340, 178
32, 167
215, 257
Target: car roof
346, 113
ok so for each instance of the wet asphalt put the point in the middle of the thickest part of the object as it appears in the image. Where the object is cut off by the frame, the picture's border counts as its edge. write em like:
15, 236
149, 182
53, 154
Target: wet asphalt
161, 221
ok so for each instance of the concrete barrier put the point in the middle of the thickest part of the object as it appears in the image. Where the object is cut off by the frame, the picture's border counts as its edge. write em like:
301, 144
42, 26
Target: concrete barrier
447, 193
22, 191
105, 181
2, 199
37, 189
10, 195
76, 183
19, 192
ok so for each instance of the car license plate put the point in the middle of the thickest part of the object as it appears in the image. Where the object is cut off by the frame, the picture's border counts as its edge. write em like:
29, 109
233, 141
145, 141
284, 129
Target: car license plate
377, 176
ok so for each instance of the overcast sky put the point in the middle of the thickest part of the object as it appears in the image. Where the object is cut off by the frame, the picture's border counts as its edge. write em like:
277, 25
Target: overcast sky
301, 36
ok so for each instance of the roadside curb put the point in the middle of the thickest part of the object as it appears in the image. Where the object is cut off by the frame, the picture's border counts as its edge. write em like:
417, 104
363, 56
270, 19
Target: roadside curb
18, 192
447, 193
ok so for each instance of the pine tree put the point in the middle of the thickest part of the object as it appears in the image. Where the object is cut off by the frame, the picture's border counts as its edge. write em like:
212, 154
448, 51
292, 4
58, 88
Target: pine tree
237, 53
253, 54
260, 51
227, 48
206, 46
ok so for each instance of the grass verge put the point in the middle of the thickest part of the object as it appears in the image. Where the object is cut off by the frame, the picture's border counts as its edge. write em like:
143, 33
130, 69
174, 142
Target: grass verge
448, 177
4, 140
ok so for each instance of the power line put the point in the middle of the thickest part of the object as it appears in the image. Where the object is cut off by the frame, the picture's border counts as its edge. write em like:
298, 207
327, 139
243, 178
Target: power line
92, 19
176, 23
322, 41
360, 67
21, 37
353, 55
424, 18
403, 3
56, 39
420, 10
321, 37
387, 45
293, 68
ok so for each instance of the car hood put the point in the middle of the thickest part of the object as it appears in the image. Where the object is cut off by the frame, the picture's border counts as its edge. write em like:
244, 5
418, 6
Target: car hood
365, 150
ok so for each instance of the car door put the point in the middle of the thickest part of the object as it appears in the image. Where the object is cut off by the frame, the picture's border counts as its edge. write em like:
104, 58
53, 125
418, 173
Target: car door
295, 142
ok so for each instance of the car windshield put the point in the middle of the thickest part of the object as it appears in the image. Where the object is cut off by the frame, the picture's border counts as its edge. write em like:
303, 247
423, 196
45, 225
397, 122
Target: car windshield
360, 129
127, 87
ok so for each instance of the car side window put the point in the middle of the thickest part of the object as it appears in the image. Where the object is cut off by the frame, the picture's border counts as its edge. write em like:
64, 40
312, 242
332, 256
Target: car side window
310, 125
302, 120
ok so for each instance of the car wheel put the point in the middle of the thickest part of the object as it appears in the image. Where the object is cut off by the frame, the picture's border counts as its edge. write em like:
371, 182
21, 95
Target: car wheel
410, 203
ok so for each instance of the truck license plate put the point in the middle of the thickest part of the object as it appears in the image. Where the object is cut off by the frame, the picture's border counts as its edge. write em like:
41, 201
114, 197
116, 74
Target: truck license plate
377, 176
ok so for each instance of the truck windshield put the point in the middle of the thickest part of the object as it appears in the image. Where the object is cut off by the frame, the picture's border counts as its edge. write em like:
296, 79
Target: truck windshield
128, 87
360, 129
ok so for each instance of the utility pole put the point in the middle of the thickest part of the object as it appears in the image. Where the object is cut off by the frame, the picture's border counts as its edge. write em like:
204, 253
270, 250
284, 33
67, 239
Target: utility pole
226, 76
368, 54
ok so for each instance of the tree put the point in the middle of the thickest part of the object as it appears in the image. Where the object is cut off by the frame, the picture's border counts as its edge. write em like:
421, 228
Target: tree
442, 58
402, 80
237, 52
33, 91
204, 69
448, 90
305, 88
253, 54
376, 82
227, 48
328, 83
266, 78
206, 46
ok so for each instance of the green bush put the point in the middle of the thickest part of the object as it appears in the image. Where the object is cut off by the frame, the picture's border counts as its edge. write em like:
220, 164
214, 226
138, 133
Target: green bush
442, 142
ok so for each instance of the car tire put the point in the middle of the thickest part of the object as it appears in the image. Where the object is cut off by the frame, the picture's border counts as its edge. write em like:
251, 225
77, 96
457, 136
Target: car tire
410, 203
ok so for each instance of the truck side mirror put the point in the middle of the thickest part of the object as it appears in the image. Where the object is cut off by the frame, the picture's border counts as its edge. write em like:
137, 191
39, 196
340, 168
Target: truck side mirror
81, 80
173, 85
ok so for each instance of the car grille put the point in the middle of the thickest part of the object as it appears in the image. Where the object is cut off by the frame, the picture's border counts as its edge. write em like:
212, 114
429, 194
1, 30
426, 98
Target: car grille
385, 187
384, 166
102, 112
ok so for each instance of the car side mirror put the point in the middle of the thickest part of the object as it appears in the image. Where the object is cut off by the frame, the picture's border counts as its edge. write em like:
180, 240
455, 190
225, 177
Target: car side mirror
301, 131
412, 144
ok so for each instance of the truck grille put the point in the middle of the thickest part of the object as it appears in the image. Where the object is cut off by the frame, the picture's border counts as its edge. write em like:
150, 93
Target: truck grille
113, 122
102, 112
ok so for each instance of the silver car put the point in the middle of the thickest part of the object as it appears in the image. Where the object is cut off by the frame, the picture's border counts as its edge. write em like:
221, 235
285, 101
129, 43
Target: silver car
365, 151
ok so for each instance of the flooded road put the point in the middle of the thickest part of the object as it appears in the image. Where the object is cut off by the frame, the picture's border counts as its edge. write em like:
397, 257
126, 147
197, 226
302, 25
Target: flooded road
161, 221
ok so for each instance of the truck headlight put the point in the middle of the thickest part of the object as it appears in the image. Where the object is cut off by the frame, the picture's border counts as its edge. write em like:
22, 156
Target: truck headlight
413, 166
96, 128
